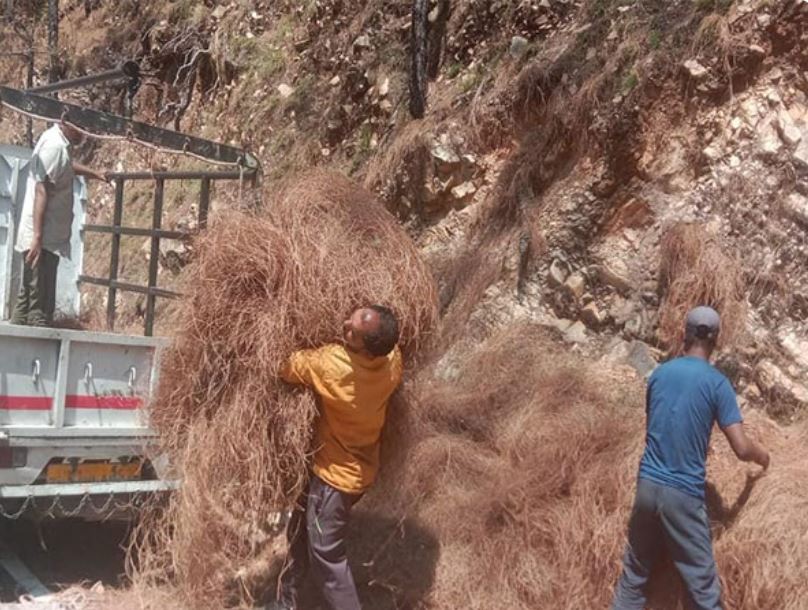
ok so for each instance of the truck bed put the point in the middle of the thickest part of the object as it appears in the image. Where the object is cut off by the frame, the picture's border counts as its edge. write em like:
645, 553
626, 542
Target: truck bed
73, 413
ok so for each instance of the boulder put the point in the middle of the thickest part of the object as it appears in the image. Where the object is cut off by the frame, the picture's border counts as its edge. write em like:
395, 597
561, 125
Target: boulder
591, 316
464, 190
576, 333
285, 90
797, 208
557, 273
560, 324
784, 394
519, 46
712, 153
787, 129
611, 278
575, 285
796, 347
622, 310
800, 155
362, 42
446, 159
695, 70
769, 141
640, 358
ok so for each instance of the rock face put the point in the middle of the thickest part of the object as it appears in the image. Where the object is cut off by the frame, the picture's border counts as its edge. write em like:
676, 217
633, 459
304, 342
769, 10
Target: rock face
726, 150
453, 176
797, 208
784, 395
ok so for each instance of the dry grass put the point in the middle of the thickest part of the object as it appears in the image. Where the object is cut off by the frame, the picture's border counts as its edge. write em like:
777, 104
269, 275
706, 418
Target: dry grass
261, 287
508, 480
512, 464
521, 463
698, 269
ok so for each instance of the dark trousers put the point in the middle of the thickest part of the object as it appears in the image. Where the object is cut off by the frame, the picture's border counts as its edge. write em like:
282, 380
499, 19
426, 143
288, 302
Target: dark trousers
668, 520
316, 534
36, 299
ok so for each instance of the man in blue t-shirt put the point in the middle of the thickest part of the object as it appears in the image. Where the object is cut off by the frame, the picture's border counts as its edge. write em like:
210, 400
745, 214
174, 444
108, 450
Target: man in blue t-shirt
685, 397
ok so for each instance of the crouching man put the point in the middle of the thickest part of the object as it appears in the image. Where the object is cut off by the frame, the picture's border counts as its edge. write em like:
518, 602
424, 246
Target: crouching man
353, 382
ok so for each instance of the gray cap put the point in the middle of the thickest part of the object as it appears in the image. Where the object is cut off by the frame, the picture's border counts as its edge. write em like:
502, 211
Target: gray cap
703, 322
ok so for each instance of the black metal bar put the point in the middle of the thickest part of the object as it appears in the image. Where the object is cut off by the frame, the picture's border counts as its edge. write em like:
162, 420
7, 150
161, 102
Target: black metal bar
126, 287
136, 231
129, 69
117, 218
103, 123
204, 202
154, 255
189, 175
29, 80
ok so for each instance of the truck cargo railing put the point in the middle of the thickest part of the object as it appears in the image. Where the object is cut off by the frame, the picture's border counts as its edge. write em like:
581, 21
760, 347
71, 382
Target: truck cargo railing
156, 233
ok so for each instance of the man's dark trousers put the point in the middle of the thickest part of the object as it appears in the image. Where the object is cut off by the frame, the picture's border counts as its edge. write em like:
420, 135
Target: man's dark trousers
665, 519
316, 535
36, 300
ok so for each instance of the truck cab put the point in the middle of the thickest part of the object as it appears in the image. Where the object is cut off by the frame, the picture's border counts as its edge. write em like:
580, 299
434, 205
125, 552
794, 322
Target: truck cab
74, 431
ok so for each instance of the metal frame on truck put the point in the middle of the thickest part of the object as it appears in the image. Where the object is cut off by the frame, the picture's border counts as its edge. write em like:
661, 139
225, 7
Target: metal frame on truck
74, 404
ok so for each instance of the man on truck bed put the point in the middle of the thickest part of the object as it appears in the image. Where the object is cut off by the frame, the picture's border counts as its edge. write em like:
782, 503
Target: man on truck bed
685, 397
46, 222
354, 382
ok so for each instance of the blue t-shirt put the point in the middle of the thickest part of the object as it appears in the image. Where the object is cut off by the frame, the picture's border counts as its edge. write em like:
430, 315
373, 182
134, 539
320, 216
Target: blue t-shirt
685, 397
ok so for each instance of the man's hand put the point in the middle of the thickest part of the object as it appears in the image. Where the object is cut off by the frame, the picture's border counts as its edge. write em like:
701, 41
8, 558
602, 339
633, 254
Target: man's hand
34, 252
101, 177
764, 460
86, 172
744, 447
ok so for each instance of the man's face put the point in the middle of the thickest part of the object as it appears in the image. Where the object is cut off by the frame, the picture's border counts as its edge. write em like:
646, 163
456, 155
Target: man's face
73, 135
358, 324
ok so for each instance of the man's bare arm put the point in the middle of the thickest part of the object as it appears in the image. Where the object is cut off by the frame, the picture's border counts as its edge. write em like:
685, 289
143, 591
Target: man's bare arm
86, 172
40, 205
744, 447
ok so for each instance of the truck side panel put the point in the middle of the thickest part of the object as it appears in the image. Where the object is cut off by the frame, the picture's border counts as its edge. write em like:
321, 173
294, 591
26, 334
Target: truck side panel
28, 369
107, 385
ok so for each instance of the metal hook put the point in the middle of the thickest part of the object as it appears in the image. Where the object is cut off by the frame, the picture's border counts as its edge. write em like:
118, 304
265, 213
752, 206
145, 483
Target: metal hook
88, 373
132, 377
36, 370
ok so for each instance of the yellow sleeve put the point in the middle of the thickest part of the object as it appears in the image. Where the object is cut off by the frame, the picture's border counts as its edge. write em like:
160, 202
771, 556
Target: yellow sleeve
304, 367
398, 366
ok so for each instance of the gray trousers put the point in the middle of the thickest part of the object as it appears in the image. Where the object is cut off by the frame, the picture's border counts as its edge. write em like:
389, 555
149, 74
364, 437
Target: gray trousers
36, 299
668, 520
316, 534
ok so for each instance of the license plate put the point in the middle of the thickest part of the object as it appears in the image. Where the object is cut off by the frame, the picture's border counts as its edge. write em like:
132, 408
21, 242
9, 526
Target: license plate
93, 472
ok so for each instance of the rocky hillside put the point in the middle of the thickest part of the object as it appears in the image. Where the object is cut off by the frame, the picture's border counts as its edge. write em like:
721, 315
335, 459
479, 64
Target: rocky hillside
562, 141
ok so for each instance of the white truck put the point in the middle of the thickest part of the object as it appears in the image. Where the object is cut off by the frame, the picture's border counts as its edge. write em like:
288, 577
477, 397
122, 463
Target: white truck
74, 433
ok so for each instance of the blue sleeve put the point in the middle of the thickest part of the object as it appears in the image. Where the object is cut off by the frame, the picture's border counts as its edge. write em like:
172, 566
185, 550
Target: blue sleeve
648, 388
726, 405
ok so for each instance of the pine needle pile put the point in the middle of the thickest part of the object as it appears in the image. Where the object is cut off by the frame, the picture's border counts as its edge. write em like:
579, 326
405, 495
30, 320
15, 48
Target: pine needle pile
697, 269
521, 462
262, 286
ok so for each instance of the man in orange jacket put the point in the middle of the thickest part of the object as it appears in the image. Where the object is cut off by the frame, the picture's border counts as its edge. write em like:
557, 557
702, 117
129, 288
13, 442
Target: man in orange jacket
354, 382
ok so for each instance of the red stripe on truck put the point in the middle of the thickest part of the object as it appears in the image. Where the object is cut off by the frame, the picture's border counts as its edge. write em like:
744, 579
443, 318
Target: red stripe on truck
127, 403
72, 401
26, 403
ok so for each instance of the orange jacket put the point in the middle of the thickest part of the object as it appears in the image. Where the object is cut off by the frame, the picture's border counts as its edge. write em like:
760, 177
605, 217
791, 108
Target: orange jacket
354, 391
